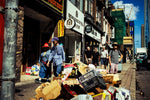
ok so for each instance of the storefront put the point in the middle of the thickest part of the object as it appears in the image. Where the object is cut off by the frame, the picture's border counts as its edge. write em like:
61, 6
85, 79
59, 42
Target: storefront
74, 29
40, 19
92, 37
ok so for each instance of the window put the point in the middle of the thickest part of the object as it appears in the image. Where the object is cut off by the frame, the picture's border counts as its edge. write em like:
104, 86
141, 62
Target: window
98, 15
78, 4
91, 9
89, 5
73, 1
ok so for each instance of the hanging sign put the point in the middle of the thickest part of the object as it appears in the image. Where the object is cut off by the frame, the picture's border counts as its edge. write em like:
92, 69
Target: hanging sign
69, 23
60, 28
55, 4
88, 28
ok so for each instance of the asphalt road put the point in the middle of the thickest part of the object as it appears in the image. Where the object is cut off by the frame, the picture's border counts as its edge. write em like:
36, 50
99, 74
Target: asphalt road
143, 83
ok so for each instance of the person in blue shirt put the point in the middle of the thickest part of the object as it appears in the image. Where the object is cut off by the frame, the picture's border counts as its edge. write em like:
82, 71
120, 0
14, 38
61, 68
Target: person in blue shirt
57, 55
45, 71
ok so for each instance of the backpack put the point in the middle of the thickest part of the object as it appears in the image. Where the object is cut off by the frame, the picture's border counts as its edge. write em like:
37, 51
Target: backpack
113, 51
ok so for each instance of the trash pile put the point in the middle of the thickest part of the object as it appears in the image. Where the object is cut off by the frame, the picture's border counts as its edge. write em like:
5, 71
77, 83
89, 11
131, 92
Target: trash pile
79, 81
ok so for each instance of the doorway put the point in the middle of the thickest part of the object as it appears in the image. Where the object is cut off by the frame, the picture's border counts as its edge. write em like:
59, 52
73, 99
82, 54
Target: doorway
31, 42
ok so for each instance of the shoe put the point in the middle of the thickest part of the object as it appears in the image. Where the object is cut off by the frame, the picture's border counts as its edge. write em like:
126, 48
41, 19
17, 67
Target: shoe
38, 81
48, 80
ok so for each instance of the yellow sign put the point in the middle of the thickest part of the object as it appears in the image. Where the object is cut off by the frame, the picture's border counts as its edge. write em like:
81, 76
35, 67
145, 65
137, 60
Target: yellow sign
61, 28
56, 4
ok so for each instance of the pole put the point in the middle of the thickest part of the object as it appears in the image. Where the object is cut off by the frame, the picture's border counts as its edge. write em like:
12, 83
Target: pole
83, 47
9, 53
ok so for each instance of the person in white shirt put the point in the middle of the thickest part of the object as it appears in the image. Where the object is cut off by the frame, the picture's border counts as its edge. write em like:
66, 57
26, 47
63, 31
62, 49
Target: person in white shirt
104, 58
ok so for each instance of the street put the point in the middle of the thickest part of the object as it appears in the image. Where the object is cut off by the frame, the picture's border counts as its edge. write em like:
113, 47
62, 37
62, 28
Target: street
143, 79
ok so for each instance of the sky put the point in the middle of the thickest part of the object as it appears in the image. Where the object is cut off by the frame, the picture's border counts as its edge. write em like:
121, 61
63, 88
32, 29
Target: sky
137, 15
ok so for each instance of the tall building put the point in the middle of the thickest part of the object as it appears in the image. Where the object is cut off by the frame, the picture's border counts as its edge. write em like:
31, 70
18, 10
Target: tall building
142, 36
147, 21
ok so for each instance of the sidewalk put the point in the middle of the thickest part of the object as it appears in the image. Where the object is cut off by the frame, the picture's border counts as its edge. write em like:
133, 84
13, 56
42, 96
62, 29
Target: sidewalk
26, 79
128, 78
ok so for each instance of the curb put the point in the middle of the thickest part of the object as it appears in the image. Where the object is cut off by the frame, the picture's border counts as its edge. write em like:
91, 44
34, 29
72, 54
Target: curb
24, 83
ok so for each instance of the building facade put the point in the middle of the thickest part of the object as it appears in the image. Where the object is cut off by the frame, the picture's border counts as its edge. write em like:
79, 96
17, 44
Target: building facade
37, 23
147, 21
74, 30
93, 23
77, 23
142, 36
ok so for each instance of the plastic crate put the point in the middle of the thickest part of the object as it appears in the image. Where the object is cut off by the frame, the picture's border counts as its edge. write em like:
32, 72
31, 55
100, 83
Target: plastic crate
91, 80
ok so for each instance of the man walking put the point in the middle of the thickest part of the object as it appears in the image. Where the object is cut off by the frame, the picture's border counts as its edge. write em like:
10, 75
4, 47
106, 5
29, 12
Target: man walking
104, 58
57, 55
45, 71
114, 58
88, 56
95, 57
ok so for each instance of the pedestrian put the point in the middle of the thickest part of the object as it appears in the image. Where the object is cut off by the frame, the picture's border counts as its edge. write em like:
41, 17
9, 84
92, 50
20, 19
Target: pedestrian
95, 57
104, 58
45, 71
88, 55
114, 58
57, 55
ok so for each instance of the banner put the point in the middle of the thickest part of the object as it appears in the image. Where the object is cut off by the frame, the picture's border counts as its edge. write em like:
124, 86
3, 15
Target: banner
60, 28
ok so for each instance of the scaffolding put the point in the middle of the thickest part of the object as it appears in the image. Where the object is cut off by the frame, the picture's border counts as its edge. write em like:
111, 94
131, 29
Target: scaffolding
119, 24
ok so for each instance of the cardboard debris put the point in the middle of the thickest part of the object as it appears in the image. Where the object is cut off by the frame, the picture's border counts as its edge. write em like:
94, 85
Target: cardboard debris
71, 81
108, 78
48, 90
58, 86
82, 67
32, 99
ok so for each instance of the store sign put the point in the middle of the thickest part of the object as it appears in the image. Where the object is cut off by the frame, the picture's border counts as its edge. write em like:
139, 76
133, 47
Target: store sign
60, 28
69, 23
93, 33
56, 4
74, 13
88, 28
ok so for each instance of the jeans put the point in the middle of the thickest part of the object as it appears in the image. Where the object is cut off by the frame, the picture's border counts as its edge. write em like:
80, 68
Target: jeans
57, 69
45, 72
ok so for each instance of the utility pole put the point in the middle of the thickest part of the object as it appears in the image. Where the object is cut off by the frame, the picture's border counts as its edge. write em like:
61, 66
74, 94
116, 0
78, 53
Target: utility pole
9, 53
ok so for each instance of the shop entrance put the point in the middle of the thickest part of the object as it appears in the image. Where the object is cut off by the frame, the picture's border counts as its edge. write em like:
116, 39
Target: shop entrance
31, 42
